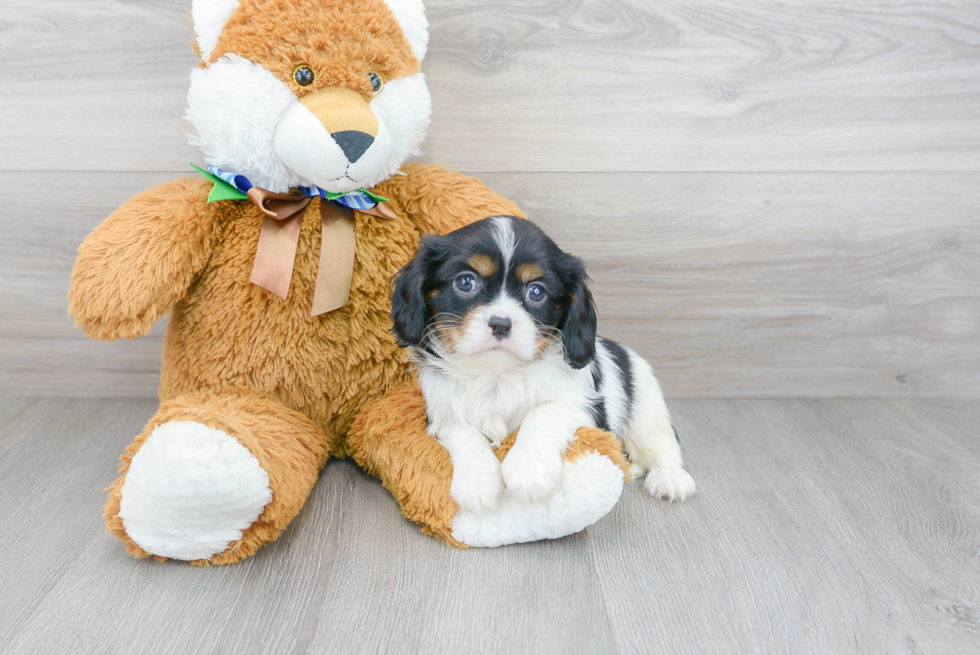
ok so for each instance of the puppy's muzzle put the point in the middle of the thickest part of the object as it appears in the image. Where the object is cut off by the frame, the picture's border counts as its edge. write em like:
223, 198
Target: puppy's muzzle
500, 326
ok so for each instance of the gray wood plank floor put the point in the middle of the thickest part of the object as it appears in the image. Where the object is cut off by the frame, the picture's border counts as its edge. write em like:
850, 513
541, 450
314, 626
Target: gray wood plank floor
821, 526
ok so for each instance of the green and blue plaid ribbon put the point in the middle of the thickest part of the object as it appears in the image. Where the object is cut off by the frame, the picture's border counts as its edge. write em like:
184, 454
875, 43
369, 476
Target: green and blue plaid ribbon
233, 186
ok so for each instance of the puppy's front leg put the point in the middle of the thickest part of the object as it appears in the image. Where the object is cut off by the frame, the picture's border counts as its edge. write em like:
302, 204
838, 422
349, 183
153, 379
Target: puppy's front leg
533, 467
477, 483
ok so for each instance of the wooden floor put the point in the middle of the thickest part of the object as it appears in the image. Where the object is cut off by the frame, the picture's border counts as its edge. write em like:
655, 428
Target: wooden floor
821, 526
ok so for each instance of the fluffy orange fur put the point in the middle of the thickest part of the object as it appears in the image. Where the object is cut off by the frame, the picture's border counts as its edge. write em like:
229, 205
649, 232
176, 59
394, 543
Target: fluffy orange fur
339, 41
237, 354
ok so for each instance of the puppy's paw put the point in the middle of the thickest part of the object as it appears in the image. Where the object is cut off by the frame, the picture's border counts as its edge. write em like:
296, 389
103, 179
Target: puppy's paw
477, 484
495, 429
669, 483
532, 474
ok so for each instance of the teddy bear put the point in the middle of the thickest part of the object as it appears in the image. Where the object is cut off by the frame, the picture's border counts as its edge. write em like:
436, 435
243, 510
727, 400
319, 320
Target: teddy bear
274, 266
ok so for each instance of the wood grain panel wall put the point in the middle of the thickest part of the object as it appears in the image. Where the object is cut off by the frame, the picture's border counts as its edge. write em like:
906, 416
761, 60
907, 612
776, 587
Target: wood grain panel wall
775, 199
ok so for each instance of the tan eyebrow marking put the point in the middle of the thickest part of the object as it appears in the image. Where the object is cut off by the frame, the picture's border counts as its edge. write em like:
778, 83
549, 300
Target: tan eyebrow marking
483, 264
527, 272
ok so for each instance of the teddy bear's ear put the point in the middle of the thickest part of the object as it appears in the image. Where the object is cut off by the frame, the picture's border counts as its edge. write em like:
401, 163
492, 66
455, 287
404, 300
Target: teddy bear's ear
209, 18
411, 16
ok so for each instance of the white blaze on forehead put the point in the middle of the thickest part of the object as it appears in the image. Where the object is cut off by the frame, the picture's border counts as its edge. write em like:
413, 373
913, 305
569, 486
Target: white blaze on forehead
209, 18
503, 235
411, 16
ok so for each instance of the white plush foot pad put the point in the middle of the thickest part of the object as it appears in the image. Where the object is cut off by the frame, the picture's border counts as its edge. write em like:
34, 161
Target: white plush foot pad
191, 490
589, 489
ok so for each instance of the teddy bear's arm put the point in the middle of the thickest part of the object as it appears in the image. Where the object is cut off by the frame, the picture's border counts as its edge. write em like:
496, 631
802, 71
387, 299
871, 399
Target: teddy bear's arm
141, 260
439, 200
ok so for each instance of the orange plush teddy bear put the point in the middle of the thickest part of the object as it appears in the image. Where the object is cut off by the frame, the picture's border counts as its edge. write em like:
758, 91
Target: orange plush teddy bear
275, 270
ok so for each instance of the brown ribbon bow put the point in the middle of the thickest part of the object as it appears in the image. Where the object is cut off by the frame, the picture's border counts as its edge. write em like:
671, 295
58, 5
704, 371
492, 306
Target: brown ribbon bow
276, 254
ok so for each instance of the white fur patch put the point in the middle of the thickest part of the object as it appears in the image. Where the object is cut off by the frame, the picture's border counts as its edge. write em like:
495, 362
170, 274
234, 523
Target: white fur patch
477, 484
533, 468
469, 390
670, 484
404, 108
235, 107
411, 17
209, 18
590, 488
307, 149
191, 490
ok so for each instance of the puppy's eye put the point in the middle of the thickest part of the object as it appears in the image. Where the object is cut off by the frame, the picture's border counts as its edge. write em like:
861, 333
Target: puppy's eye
377, 82
465, 283
536, 293
303, 75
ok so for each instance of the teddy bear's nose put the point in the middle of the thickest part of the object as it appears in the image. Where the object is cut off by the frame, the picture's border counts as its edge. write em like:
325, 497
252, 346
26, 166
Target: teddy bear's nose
353, 143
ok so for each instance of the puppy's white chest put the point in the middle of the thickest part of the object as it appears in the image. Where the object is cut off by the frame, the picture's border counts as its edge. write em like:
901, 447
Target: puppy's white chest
495, 402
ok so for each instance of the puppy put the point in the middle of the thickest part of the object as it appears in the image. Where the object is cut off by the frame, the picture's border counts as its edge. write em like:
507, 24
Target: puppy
502, 329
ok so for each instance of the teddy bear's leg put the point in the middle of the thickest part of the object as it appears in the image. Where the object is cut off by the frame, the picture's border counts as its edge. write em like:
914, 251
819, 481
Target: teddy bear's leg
213, 477
389, 439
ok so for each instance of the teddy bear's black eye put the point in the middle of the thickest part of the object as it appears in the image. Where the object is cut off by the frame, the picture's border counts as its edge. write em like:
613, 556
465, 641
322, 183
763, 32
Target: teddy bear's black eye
303, 75
377, 82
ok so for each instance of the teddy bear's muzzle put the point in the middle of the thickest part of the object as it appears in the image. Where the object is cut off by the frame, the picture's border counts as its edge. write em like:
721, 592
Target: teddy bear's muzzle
324, 134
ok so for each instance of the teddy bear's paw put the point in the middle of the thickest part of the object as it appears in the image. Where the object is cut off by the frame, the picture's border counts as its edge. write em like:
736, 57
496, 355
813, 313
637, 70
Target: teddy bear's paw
477, 483
669, 483
531, 474
590, 487
191, 490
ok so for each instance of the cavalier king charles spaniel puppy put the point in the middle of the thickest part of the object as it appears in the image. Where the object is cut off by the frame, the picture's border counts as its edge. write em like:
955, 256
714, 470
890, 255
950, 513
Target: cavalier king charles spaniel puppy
502, 330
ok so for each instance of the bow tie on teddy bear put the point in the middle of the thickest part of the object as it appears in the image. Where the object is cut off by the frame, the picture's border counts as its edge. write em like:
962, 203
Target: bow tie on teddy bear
279, 238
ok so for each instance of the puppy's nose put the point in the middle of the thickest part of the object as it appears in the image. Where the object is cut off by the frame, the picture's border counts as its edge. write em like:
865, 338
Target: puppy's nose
499, 326
353, 143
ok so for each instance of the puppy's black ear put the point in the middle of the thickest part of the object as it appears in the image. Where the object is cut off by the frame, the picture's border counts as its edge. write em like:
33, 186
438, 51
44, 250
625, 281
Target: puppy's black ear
409, 312
578, 326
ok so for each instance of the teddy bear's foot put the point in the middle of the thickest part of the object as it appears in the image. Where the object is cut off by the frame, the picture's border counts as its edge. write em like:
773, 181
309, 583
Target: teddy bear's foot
191, 490
589, 488
213, 477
